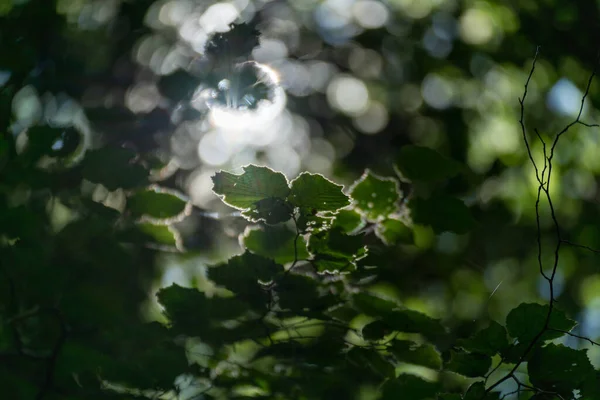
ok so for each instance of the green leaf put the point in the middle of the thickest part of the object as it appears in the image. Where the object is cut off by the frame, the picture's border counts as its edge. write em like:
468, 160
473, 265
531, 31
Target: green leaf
114, 168
560, 369
392, 231
469, 364
272, 210
477, 392
252, 186
134, 348
259, 192
449, 396
4, 150
443, 213
375, 330
333, 251
308, 222
527, 320
162, 234
489, 341
590, 390
156, 203
298, 292
276, 242
246, 275
396, 317
375, 197
191, 312
426, 165
516, 351
349, 221
413, 353
315, 192
335, 243
409, 387
370, 358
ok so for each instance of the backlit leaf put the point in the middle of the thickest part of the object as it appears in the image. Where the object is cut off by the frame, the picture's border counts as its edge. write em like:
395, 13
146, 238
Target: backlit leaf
156, 203
413, 353
392, 231
315, 192
349, 221
254, 184
375, 197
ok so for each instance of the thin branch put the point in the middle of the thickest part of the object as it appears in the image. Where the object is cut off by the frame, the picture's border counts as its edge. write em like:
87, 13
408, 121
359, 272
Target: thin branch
581, 246
575, 336
544, 179
522, 119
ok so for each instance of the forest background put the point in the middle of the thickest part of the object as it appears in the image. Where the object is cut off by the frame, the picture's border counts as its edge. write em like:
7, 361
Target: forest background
448, 266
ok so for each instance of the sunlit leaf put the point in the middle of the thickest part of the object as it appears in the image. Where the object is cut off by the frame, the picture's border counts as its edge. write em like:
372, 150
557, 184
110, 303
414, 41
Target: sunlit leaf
156, 203
413, 353
163, 234
527, 320
253, 185
424, 164
273, 210
375, 197
259, 191
392, 231
315, 192
349, 221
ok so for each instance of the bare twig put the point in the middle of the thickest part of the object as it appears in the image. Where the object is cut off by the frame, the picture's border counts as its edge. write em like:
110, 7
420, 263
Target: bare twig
544, 178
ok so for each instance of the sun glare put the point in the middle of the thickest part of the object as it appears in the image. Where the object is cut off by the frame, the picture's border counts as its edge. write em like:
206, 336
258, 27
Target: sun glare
250, 97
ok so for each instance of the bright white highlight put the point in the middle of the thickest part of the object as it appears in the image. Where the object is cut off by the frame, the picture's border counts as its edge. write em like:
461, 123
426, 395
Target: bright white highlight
219, 17
238, 117
348, 94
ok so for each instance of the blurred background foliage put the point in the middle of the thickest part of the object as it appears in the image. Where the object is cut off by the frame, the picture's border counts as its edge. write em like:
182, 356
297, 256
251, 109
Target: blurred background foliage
348, 83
